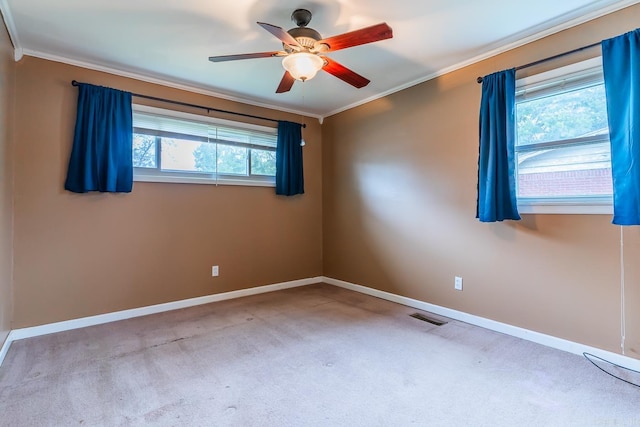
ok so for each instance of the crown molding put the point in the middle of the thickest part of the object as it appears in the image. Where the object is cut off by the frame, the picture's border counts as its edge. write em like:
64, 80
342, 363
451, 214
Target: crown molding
7, 16
163, 82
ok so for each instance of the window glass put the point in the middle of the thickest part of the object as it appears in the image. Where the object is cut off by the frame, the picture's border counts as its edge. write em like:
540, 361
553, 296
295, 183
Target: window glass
572, 171
144, 151
177, 147
562, 142
204, 157
181, 155
563, 115
263, 162
232, 160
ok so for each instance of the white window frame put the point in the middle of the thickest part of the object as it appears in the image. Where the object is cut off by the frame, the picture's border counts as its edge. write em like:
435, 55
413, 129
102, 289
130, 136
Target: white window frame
163, 176
549, 82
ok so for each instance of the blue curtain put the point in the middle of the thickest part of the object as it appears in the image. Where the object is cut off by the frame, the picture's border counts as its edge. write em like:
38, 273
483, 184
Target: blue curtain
621, 64
289, 176
101, 158
496, 161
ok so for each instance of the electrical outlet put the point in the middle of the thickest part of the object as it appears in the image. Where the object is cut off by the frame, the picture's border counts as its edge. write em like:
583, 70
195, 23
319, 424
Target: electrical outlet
457, 284
214, 271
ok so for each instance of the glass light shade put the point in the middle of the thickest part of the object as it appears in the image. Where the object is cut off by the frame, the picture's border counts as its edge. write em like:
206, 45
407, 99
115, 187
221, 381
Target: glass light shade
302, 65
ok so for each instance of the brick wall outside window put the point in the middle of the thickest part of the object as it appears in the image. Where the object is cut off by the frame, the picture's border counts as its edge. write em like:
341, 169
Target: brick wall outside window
587, 182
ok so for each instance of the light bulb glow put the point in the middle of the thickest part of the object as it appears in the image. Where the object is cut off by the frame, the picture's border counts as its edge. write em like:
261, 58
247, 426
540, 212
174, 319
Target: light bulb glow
302, 65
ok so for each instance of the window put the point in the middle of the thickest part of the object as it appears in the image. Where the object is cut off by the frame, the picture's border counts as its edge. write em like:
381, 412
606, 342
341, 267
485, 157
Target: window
563, 158
170, 146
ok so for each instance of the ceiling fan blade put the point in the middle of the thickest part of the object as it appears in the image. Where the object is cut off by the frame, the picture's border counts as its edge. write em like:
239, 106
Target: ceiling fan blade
223, 58
286, 83
344, 74
280, 33
356, 38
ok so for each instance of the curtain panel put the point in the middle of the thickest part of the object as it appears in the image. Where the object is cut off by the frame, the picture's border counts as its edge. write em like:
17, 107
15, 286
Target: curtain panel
496, 159
289, 171
621, 66
101, 156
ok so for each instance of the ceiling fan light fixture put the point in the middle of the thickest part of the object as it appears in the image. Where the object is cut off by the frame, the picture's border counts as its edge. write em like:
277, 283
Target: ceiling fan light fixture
304, 51
302, 66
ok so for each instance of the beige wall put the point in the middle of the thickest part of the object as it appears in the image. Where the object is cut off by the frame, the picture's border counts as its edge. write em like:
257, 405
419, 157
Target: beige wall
7, 81
400, 177
81, 255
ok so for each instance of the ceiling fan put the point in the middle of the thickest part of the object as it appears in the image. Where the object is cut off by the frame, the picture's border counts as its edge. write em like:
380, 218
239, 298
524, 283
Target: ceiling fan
304, 51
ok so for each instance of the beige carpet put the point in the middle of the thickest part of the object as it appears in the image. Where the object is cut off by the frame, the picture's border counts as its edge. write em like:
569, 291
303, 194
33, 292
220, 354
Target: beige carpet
311, 356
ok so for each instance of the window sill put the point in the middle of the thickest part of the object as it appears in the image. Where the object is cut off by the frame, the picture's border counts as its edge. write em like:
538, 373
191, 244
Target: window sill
182, 179
591, 206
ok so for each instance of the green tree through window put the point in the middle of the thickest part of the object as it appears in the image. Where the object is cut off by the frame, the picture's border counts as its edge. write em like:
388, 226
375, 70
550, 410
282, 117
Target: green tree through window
263, 162
572, 114
144, 151
205, 157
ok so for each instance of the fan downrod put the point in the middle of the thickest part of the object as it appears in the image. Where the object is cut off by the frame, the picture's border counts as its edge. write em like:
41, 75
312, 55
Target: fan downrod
301, 17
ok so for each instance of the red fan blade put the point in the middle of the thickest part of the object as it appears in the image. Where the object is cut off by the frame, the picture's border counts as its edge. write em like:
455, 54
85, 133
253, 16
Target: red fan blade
244, 56
280, 33
355, 38
286, 83
344, 74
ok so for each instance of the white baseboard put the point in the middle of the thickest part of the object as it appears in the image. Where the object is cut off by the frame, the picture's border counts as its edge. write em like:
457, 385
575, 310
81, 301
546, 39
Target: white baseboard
547, 340
537, 337
5, 347
18, 334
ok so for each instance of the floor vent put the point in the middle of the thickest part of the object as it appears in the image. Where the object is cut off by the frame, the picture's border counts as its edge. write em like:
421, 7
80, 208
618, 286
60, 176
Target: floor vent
431, 320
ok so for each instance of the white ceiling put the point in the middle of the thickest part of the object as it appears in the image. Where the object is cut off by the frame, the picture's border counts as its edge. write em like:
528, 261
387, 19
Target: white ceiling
170, 41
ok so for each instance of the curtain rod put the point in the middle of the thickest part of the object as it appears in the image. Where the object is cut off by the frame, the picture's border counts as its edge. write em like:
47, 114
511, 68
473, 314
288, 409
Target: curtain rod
202, 107
560, 55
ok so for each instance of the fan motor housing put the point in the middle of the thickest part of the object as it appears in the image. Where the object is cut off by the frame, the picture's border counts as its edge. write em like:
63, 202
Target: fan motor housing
307, 37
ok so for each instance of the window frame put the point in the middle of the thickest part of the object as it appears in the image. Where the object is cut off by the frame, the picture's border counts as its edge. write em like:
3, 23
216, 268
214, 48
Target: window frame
581, 74
156, 174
